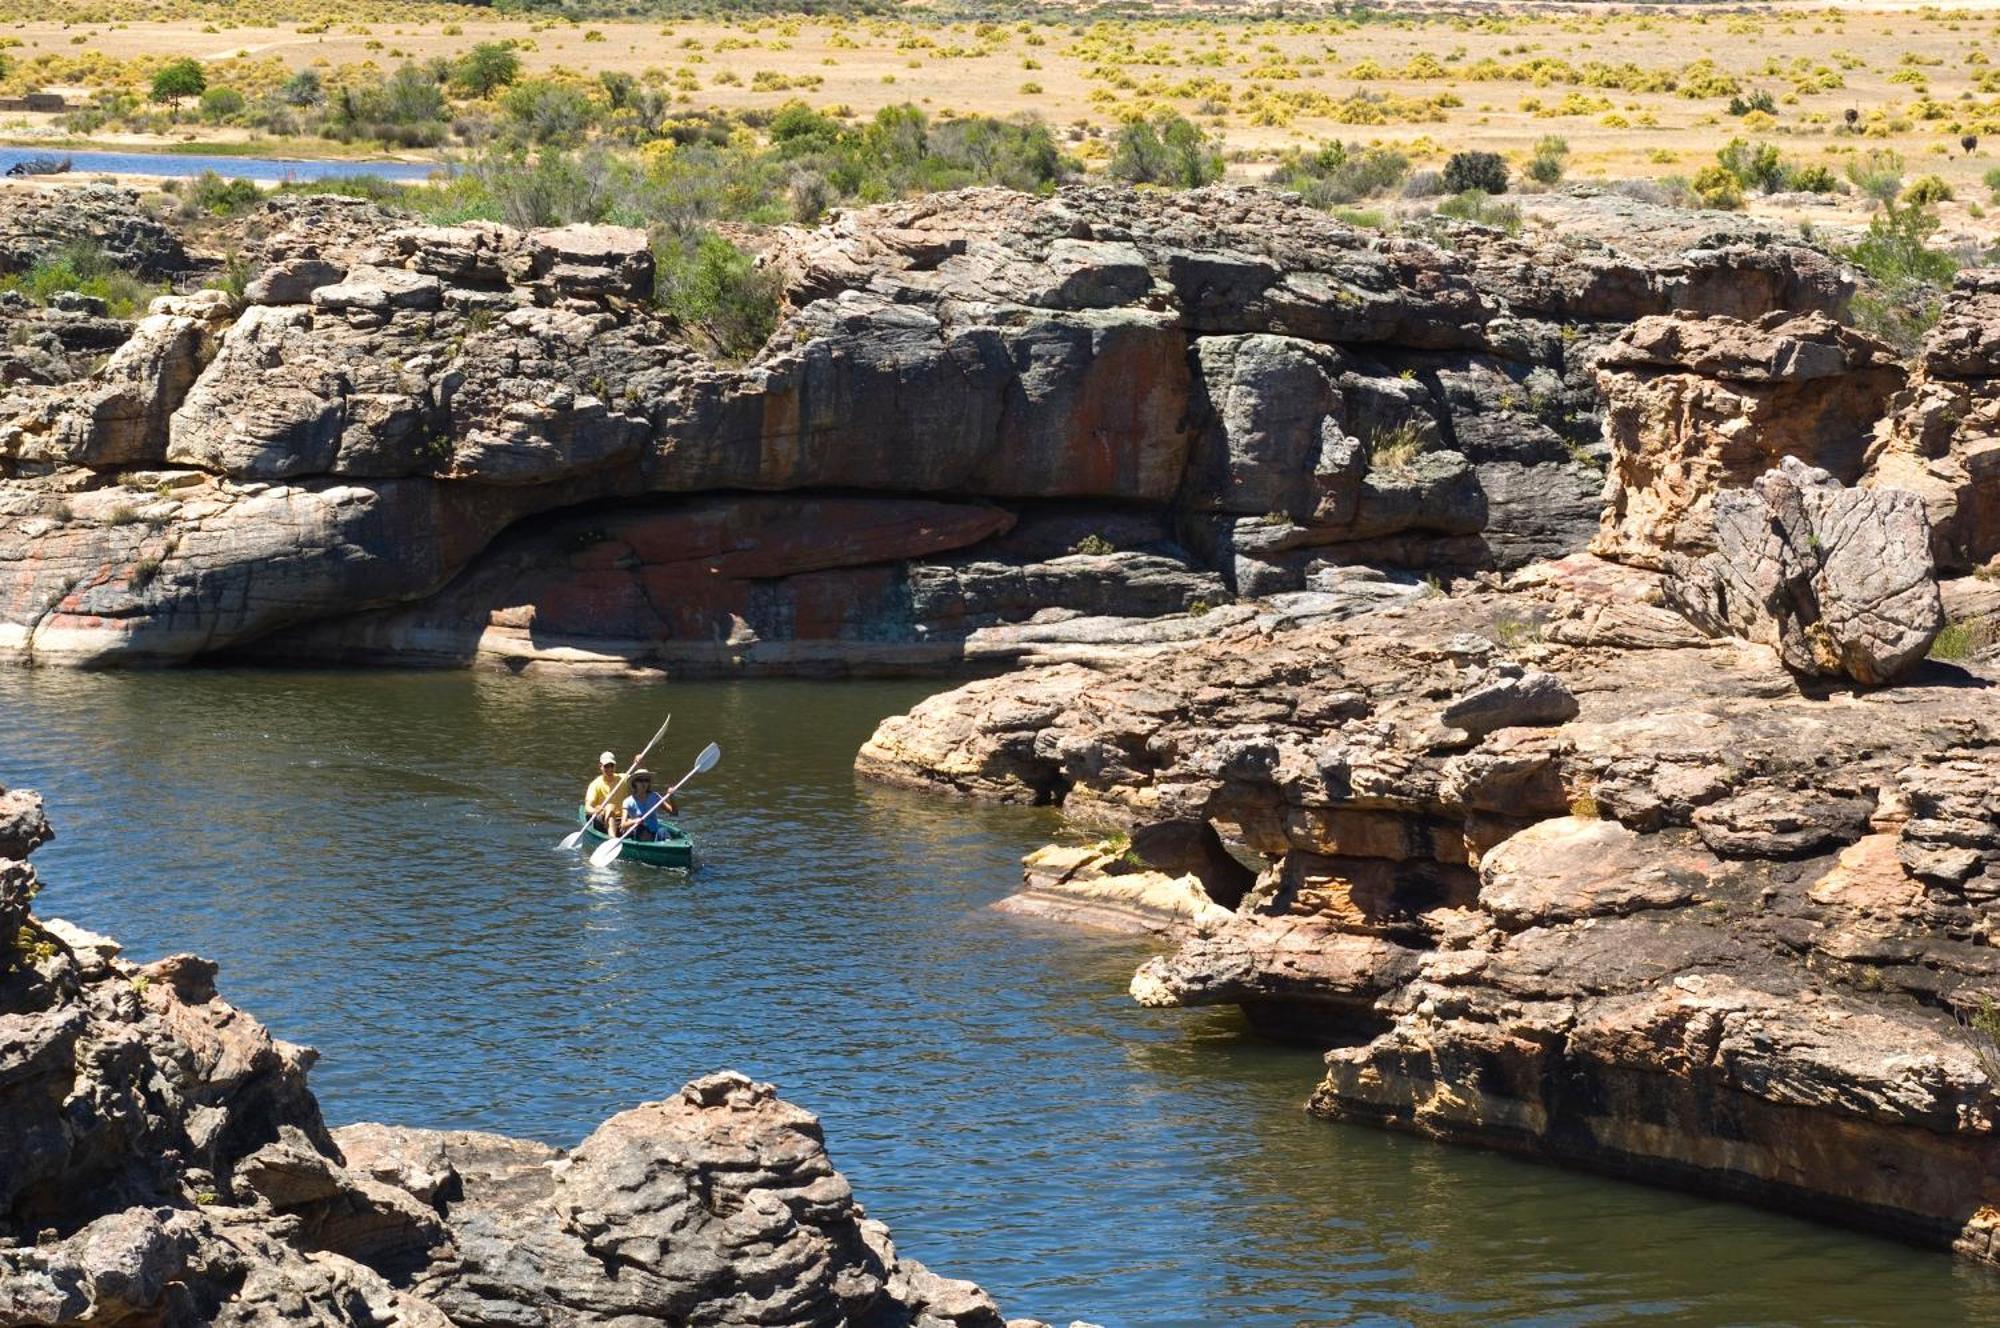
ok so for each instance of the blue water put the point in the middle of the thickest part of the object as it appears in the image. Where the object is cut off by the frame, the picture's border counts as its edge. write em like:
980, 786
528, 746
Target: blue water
371, 857
265, 170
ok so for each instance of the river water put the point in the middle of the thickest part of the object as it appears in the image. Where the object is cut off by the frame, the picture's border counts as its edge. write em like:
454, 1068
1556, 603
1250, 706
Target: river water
265, 170
372, 858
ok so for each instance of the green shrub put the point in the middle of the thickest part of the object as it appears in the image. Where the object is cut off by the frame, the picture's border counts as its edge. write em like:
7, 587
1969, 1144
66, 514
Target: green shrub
1717, 187
714, 291
1477, 207
546, 111
1906, 276
83, 268
1815, 179
1340, 173
1754, 165
210, 194
303, 89
1926, 191
1551, 156
1168, 149
219, 104
1878, 174
1484, 172
485, 69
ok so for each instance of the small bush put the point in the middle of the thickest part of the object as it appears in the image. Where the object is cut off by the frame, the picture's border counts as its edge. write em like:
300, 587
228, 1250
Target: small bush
1095, 545
1926, 191
1485, 172
208, 194
715, 291
1168, 149
1878, 174
1551, 156
1717, 187
83, 268
1396, 449
1906, 276
1477, 207
220, 104
1754, 165
1340, 173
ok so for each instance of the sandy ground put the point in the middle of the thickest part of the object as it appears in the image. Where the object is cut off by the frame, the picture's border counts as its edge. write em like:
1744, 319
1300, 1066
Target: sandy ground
1088, 77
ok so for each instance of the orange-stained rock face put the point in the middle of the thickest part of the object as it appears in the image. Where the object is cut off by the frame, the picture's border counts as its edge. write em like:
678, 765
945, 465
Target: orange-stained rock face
1693, 407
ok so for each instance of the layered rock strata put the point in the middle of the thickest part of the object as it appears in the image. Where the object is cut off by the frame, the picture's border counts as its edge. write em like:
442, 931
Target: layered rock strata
1547, 869
163, 1162
1218, 394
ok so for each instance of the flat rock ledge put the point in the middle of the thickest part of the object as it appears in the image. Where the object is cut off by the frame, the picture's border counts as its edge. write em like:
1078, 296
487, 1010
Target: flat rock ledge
162, 1162
1546, 869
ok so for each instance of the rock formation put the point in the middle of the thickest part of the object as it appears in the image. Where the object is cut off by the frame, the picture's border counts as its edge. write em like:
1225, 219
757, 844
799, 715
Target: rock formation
1839, 580
1218, 394
1547, 870
162, 1161
1697, 408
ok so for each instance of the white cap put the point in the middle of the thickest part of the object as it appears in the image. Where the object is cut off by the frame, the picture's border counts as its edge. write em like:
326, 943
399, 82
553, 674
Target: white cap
607, 758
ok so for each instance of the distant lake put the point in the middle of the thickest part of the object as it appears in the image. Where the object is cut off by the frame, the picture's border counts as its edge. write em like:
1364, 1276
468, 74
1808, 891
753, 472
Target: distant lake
265, 170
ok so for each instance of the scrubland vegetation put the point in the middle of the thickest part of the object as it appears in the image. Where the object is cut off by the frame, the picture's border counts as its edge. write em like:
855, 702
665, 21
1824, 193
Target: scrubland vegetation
681, 116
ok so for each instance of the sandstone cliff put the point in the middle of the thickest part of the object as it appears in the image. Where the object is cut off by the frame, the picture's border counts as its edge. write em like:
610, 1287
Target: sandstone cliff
1013, 427
163, 1162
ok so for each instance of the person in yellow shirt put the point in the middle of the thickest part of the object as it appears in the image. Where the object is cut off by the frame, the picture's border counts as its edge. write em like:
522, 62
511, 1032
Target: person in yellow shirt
598, 799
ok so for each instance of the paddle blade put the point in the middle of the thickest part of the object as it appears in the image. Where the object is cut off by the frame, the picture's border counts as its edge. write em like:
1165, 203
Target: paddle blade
710, 756
571, 840
606, 853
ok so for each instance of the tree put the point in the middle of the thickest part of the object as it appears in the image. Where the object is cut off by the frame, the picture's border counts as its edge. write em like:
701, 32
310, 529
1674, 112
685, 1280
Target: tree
1484, 171
303, 89
182, 78
218, 104
486, 68
1168, 149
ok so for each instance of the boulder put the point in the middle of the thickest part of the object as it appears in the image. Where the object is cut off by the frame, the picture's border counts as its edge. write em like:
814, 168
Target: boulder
1839, 581
1698, 407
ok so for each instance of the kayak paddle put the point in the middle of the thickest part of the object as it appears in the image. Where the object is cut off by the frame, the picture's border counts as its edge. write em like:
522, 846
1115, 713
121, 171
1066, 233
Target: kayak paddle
607, 853
575, 837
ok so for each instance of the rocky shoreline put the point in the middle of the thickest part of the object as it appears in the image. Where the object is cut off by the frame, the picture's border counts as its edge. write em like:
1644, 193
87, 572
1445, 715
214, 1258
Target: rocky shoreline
1673, 858
1553, 674
162, 1161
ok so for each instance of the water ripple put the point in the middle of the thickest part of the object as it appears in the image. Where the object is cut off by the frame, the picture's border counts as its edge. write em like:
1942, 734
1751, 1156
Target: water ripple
371, 856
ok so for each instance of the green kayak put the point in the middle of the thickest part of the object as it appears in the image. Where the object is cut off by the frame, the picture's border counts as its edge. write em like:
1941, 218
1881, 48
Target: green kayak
676, 850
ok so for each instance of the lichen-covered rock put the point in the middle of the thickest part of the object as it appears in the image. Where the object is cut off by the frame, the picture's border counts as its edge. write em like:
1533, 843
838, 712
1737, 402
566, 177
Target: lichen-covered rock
1277, 393
1941, 438
1838, 580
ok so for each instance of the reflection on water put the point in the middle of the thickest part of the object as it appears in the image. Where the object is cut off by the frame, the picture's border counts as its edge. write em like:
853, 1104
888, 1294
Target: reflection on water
371, 856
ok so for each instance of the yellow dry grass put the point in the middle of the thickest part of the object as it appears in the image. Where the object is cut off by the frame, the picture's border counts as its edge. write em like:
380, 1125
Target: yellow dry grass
1497, 76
